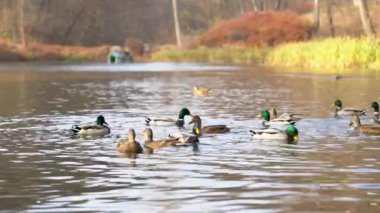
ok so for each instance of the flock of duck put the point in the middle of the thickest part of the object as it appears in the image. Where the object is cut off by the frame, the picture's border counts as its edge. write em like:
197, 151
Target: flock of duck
275, 127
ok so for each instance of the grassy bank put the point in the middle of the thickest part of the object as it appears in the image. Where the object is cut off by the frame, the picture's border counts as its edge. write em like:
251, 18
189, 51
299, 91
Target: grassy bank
338, 53
227, 54
328, 53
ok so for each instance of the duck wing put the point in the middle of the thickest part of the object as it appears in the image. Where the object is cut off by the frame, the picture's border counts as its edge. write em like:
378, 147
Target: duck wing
215, 129
159, 121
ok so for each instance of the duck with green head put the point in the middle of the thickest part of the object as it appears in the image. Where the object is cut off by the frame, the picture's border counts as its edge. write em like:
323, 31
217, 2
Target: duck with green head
280, 123
168, 121
289, 135
376, 114
211, 129
340, 111
129, 145
99, 128
367, 129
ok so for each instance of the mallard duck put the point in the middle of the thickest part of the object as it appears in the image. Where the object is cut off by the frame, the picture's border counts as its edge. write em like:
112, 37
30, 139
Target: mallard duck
279, 123
212, 129
98, 128
340, 111
184, 137
169, 122
290, 135
200, 91
367, 129
283, 117
156, 144
376, 114
129, 145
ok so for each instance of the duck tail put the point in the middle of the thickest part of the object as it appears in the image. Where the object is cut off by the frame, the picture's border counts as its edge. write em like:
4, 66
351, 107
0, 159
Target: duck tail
252, 132
147, 120
75, 129
363, 111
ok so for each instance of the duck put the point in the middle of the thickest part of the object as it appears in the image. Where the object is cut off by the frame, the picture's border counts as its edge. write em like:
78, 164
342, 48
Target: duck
376, 114
169, 122
129, 145
200, 91
284, 116
98, 128
279, 123
212, 129
161, 143
184, 137
367, 129
290, 135
340, 111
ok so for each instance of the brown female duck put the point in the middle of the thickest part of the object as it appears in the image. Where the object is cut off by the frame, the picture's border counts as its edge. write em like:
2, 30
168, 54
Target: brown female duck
161, 143
367, 129
130, 145
212, 129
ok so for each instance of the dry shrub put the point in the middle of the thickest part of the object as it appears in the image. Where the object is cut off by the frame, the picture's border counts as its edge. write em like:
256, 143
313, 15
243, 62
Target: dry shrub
136, 46
37, 51
258, 29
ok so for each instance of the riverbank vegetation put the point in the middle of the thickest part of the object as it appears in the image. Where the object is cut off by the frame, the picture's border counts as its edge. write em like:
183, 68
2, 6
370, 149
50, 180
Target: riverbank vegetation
226, 54
47, 52
342, 52
266, 32
289, 39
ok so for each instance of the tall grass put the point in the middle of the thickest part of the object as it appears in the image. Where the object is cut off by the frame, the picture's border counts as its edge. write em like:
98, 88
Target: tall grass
226, 54
328, 53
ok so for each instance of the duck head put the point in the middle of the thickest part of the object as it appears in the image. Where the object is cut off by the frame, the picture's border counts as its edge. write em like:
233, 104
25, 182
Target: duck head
264, 114
375, 106
131, 135
355, 121
338, 104
292, 133
148, 135
101, 120
183, 112
196, 120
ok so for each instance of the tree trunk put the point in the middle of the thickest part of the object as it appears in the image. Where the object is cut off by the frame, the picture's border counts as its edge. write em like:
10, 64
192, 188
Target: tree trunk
330, 17
241, 6
73, 23
254, 5
176, 23
263, 5
366, 19
21, 26
277, 5
316, 16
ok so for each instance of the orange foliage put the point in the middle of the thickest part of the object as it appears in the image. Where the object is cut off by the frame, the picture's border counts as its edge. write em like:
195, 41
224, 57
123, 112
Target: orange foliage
258, 29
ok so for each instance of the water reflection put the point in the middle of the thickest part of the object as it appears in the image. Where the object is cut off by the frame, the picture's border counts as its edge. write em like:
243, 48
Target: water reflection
43, 169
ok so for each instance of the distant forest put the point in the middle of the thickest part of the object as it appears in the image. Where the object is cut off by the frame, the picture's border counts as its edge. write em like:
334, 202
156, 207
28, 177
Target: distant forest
97, 22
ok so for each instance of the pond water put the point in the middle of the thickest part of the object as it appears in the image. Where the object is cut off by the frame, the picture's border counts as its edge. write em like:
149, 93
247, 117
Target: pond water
43, 169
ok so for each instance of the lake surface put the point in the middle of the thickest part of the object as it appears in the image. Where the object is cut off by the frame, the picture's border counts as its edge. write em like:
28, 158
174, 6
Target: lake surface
43, 169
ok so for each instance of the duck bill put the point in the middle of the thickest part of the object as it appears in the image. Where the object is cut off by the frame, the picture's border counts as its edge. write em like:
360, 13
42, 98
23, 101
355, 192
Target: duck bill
295, 138
198, 131
259, 116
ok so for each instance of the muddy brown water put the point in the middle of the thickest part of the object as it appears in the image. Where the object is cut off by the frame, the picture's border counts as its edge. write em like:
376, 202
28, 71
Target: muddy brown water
331, 169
